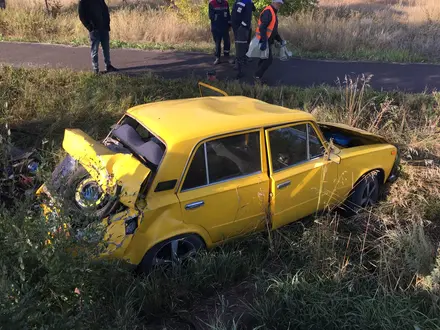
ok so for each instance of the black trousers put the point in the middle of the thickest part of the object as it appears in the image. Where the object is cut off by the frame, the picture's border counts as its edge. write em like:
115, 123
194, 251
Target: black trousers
220, 36
242, 41
264, 64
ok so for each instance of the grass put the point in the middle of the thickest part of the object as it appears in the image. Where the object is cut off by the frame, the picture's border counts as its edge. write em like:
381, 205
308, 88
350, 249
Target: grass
378, 270
396, 31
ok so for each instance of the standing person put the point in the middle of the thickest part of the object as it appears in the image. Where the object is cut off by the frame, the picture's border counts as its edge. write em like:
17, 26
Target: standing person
267, 33
220, 17
95, 17
242, 27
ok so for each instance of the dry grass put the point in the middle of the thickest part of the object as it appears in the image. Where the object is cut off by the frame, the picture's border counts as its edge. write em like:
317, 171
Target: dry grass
65, 3
395, 30
408, 29
137, 24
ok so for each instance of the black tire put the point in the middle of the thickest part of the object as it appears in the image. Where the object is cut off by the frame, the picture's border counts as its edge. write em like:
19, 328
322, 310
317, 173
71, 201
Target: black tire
365, 194
100, 210
149, 263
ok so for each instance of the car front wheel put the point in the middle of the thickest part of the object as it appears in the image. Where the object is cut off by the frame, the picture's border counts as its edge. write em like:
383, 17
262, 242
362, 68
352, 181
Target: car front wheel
364, 195
171, 253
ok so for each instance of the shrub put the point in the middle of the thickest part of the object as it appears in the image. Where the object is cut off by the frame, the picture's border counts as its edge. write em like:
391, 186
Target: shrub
289, 7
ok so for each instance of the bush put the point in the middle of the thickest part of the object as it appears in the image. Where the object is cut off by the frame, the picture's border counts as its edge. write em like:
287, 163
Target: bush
289, 7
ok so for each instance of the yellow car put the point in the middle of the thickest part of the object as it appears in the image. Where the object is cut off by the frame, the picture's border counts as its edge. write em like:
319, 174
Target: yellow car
176, 176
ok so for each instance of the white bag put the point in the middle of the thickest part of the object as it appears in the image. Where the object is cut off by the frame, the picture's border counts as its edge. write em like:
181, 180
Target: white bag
254, 50
285, 54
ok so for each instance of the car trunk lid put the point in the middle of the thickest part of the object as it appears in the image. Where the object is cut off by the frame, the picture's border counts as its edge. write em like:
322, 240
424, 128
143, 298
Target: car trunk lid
110, 169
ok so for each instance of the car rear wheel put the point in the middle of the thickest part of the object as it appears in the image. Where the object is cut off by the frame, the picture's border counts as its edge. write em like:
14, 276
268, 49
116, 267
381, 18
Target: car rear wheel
364, 195
171, 253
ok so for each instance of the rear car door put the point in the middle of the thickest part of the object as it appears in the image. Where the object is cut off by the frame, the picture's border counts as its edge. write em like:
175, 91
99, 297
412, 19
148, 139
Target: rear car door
226, 187
301, 177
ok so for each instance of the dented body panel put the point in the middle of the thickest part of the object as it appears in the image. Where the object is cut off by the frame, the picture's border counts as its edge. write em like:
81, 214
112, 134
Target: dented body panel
153, 195
108, 168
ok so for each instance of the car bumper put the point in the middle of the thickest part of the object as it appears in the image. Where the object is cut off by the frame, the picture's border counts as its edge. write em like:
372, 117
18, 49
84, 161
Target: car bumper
394, 174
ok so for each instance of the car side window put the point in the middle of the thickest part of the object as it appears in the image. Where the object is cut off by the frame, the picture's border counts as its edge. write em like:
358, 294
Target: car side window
316, 148
233, 156
226, 158
288, 146
196, 176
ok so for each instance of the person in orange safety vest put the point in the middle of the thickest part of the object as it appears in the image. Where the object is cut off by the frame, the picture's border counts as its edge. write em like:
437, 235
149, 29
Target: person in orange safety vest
267, 33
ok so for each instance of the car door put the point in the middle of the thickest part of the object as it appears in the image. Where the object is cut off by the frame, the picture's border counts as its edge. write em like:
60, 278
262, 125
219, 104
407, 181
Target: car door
226, 187
208, 90
302, 178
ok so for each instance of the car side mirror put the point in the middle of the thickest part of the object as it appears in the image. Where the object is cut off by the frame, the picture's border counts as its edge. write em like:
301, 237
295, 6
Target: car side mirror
333, 153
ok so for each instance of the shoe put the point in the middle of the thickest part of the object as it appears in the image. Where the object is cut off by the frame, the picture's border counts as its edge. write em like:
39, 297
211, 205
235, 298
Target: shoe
96, 71
232, 61
217, 61
236, 66
111, 68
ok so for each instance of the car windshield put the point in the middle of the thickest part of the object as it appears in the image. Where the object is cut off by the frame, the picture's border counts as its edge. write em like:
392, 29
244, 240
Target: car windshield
130, 135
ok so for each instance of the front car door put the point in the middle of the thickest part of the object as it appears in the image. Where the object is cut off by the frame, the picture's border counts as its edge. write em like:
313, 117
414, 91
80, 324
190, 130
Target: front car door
226, 187
302, 178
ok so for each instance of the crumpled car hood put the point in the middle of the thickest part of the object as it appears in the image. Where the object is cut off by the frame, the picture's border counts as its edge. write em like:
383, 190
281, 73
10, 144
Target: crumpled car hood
111, 170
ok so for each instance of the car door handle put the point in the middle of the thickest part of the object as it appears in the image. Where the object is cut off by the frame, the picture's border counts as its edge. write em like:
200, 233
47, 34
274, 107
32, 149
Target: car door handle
283, 185
194, 205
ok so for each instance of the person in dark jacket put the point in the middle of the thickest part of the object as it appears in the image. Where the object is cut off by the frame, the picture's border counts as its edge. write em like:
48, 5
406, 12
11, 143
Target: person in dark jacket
242, 26
267, 33
220, 17
95, 17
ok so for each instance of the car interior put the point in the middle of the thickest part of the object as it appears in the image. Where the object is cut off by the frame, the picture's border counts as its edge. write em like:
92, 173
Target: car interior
140, 141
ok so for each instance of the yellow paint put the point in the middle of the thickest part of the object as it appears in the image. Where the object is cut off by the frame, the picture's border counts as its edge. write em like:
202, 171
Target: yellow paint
108, 168
219, 91
116, 241
219, 115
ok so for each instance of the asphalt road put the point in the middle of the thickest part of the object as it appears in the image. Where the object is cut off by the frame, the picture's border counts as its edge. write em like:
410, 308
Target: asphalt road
296, 72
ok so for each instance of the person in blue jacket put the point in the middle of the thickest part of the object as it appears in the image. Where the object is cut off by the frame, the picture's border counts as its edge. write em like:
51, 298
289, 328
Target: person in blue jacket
220, 17
242, 12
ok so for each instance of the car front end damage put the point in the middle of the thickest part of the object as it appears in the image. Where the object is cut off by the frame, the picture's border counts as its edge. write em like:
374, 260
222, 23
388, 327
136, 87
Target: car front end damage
120, 178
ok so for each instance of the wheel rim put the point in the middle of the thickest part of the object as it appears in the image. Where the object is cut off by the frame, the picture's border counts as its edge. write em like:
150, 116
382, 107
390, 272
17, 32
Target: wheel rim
174, 253
89, 194
369, 194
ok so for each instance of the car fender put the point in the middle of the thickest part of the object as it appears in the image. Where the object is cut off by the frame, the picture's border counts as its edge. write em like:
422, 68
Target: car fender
162, 228
356, 162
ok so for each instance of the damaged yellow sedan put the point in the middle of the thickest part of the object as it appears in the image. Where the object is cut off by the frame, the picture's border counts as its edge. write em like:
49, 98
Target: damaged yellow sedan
173, 177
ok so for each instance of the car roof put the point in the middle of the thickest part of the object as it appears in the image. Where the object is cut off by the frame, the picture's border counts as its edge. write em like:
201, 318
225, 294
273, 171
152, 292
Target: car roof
182, 120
